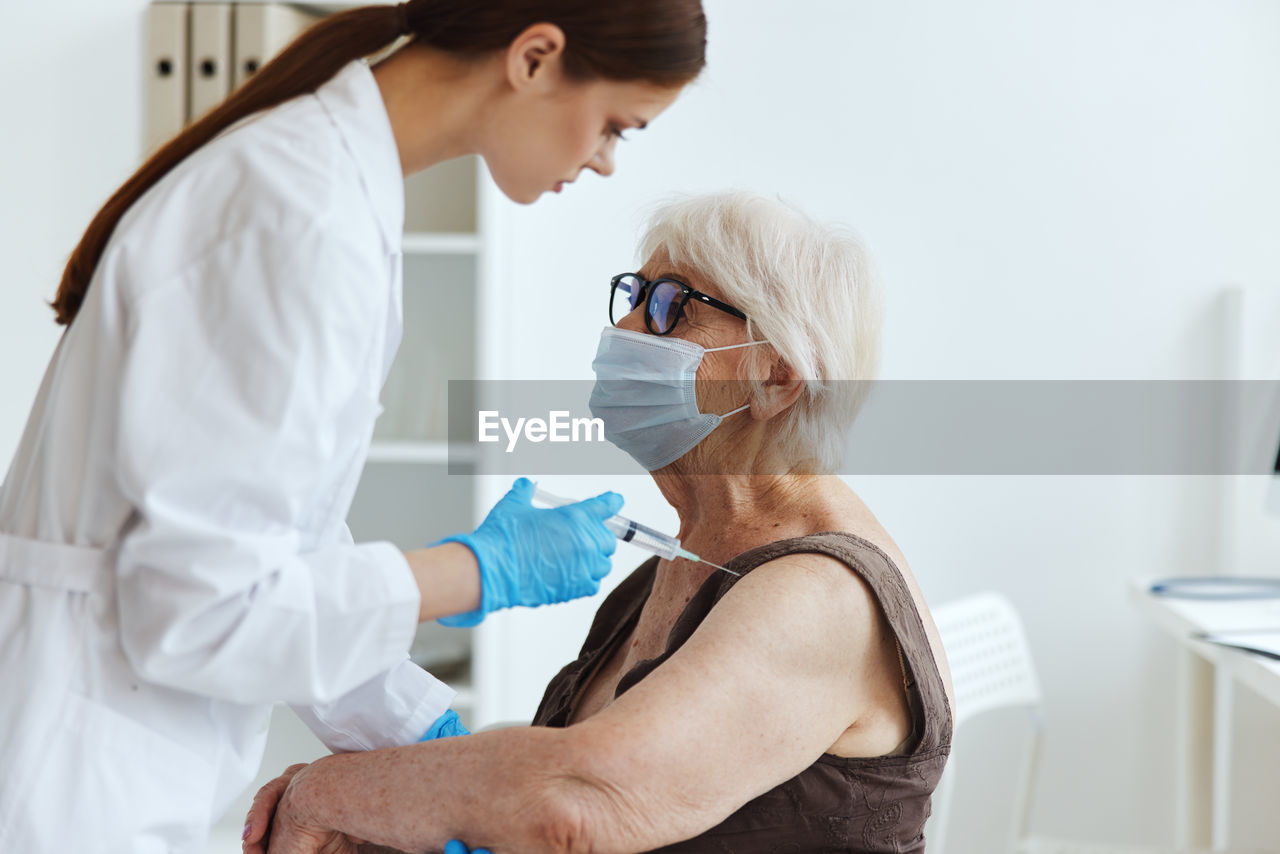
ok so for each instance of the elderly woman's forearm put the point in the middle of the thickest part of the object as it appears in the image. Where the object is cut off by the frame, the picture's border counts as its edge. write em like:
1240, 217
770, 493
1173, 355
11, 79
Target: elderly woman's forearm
530, 790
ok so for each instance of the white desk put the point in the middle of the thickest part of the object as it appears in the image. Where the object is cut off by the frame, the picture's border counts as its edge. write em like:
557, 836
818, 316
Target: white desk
1207, 675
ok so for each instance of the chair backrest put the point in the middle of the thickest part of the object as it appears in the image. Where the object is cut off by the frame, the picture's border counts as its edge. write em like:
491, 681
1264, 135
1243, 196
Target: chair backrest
991, 668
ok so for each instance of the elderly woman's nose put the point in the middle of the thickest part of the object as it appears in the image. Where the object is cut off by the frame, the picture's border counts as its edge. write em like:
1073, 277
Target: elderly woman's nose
632, 320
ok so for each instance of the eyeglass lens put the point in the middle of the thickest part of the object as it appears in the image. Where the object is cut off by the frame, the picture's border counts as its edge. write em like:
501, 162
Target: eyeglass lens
662, 302
626, 295
664, 306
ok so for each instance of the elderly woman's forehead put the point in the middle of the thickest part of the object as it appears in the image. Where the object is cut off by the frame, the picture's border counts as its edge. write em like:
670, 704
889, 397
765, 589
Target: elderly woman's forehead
659, 265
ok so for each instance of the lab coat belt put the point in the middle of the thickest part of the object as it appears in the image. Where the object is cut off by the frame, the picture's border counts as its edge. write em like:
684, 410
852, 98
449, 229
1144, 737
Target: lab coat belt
80, 569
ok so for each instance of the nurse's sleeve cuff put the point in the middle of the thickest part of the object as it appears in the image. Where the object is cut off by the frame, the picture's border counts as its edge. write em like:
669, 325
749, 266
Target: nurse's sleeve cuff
390, 710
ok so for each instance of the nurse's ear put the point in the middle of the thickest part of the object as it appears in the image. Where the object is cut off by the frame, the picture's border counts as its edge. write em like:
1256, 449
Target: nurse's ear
535, 59
776, 394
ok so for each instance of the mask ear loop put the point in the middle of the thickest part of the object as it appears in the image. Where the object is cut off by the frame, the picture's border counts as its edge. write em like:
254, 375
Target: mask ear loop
733, 347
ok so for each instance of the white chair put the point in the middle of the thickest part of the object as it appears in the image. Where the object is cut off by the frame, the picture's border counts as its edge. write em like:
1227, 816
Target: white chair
991, 668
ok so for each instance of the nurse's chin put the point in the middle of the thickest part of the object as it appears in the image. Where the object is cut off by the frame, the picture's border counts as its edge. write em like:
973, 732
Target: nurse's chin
526, 198
531, 196
521, 195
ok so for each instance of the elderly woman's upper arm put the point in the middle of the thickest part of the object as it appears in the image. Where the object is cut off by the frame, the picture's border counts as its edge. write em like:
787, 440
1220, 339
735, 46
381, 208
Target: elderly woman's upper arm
764, 686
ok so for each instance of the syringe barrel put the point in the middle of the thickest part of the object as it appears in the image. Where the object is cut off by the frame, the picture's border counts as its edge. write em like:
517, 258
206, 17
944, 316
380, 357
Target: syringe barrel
624, 529
643, 536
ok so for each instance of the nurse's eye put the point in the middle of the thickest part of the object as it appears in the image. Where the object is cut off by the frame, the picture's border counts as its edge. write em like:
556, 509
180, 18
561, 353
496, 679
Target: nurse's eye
615, 132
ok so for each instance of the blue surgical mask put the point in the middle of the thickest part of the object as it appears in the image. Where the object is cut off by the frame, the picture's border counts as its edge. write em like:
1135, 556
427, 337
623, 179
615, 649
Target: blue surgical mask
645, 395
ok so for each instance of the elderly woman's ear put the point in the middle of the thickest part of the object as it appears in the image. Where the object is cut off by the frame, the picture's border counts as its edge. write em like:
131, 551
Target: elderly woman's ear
776, 393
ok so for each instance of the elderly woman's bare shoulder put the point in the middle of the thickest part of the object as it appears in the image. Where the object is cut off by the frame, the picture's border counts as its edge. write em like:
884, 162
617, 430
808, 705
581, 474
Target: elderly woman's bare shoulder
799, 572
820, 587
842, 595
842, 602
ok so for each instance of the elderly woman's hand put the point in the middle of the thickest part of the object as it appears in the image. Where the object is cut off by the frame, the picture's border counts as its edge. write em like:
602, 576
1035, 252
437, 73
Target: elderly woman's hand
276, 824
275, 820
257, 824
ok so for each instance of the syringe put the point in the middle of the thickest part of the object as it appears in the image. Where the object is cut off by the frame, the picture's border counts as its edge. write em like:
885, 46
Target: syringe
634, 533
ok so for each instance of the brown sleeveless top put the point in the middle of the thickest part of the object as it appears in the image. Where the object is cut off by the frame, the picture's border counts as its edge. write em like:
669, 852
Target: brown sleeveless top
837, 804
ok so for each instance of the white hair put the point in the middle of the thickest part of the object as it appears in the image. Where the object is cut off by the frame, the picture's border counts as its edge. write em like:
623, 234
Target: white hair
806, 287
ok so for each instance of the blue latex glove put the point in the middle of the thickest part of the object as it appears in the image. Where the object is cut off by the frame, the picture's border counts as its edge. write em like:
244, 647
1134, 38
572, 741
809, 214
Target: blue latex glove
534, 556
453, 846
446, 726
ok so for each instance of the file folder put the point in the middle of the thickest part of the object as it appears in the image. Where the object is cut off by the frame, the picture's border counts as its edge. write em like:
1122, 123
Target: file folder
210, 57
262, 31
166, 73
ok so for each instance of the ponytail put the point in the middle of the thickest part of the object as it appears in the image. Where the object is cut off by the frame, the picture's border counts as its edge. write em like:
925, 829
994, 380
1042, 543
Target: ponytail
302, 67
662, 42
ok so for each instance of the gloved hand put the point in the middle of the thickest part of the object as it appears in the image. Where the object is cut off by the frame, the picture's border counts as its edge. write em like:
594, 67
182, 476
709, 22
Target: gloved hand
533, 556
453, 846
446, 726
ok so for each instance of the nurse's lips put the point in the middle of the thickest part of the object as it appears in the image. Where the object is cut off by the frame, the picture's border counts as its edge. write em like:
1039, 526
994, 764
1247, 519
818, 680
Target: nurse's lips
560, 185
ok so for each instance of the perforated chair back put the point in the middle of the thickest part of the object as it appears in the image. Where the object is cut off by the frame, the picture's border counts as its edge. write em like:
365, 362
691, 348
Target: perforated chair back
991, 668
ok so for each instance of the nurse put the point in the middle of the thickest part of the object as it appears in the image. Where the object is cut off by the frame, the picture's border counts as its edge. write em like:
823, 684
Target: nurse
173, 555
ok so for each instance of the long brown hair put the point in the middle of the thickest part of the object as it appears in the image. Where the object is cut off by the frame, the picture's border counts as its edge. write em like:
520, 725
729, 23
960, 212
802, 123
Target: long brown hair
658, 41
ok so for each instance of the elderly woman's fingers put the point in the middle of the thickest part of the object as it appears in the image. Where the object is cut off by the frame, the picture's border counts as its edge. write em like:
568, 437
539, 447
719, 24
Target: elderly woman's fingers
257, 827
289, 835
289, 838
295, 829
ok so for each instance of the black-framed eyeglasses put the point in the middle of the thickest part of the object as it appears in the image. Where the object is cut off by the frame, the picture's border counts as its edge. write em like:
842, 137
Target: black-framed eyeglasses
665, 299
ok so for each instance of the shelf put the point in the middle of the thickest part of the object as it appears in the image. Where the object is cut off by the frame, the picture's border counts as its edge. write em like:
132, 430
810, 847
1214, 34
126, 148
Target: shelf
407, 451
440, 243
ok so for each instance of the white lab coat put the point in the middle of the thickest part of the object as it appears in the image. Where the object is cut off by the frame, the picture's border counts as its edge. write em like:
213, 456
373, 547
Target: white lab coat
173, 551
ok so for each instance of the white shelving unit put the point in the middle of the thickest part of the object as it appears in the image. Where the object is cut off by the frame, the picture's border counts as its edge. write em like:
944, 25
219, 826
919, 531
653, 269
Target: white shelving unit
407, 495
418, 243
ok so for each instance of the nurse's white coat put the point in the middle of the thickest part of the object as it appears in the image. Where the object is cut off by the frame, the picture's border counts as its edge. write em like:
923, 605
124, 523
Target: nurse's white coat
173, 552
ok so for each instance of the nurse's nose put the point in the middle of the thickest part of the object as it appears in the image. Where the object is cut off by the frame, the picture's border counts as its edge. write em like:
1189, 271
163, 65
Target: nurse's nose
602, 161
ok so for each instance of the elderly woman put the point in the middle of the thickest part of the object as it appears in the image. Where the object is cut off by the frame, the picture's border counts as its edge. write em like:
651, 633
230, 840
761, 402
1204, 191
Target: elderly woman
799, 704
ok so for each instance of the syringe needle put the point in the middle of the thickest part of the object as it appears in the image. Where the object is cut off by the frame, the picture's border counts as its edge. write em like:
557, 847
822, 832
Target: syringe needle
643, 536
688, 555
718, 566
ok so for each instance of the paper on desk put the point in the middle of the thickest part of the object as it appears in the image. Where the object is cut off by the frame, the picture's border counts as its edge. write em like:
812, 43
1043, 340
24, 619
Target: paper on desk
1262, 641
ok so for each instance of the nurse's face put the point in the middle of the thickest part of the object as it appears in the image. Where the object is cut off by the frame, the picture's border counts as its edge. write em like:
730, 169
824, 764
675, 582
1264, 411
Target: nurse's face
551, 127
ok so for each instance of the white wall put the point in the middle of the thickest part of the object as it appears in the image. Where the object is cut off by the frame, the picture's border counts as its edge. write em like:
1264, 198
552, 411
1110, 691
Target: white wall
69, 86
1051, 191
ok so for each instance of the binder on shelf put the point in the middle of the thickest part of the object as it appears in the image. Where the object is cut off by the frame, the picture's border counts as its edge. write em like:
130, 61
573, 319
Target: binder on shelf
262, 31
166, 73
210, 58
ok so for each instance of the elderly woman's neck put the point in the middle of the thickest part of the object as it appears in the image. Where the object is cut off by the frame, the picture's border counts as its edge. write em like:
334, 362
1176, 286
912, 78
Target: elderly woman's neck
725, 514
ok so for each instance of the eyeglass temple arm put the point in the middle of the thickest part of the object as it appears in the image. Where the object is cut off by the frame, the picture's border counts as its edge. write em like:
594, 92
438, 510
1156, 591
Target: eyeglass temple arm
715, 303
